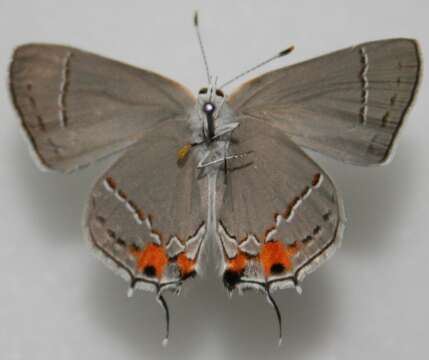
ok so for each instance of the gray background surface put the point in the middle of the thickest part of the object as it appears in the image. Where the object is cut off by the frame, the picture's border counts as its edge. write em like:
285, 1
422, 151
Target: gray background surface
57, 302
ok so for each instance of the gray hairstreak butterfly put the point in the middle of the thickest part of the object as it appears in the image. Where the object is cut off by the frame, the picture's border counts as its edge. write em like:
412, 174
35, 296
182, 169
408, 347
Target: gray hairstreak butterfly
215, 169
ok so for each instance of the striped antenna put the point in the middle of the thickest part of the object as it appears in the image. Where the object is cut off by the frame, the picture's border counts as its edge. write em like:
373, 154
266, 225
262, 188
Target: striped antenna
200, 41
279, 55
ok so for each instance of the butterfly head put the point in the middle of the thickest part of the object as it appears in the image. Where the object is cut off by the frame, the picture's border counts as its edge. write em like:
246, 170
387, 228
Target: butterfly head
210, 103
210, 99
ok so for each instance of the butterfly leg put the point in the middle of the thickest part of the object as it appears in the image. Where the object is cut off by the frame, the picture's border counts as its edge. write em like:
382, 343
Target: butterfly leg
226, 129
185, 149
225, 169
203, 164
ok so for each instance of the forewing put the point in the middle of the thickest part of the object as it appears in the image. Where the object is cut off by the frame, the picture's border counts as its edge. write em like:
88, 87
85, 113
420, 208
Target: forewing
77, 107
349, 104
281, 215
146, 216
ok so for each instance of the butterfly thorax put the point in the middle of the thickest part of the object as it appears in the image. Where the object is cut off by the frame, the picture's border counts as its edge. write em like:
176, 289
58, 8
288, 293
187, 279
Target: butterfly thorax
212, 122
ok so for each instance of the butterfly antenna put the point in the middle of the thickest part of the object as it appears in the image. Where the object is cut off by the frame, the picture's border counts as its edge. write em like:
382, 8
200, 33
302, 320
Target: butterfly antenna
212, 87
200, 41
279, 55
271, 301
164, 305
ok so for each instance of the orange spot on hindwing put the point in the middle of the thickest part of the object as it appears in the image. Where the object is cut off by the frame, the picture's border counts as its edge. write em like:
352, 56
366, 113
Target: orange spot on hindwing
235, 270
151, 261
238, 263
276, 257
112, 183
186, 266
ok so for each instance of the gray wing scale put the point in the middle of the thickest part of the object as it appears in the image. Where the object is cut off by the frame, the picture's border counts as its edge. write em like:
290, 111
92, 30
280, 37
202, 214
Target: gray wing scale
278, 194
349, 104
146, 200
77, 107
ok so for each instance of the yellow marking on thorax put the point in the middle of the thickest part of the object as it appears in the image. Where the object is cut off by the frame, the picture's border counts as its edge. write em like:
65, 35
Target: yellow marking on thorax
184, 151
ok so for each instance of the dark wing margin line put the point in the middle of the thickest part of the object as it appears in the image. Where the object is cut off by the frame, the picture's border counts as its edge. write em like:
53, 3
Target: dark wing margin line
99, 250
247, 82
43, 165
133, 280
392, 145
40, 161
337, 237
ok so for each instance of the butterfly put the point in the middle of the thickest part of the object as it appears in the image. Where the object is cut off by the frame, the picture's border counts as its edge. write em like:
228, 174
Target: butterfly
225, 170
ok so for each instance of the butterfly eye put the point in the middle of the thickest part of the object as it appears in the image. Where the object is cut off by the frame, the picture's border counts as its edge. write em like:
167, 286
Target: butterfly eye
203, 91
220, 93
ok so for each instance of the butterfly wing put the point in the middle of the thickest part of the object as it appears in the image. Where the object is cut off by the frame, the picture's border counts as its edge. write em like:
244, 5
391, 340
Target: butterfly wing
281, 216
146, 213
77, 107
349, 104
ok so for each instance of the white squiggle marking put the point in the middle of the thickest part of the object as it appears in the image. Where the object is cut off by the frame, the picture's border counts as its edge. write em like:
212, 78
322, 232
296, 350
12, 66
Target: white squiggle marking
174, 247
365, 86
155, 237
107, 186
63, 86
292, 212
250, 245
137, 218
122, 199
278, 220
316, 183
148, 223
119, 196
305, 195
229, 244
319, 182
193, 244
270, 235
111, 186
131, 208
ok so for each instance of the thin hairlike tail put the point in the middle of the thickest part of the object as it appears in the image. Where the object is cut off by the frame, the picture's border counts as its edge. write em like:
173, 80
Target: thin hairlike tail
164, 305
272, 302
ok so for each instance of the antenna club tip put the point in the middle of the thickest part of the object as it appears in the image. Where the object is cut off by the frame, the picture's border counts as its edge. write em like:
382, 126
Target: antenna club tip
287, 51
165, 342
280, 342
196, 18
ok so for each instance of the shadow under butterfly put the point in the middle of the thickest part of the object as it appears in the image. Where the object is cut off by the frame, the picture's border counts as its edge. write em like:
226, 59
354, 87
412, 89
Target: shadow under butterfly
214, 169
